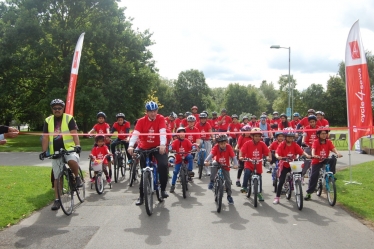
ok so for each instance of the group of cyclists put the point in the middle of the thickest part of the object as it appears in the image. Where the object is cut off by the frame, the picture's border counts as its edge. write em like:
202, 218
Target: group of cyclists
226, 139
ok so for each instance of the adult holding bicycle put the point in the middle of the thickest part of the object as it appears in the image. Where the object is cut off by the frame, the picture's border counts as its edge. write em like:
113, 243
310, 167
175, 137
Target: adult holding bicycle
152, 122
60, 132
320, 149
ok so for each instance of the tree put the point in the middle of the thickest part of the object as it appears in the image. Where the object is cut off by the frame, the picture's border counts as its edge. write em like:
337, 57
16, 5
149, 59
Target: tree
314, 97
281, 103
270, 94
336, 106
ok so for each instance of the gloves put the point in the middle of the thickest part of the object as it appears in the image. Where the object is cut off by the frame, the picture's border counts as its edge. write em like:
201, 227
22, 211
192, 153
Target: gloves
78, 149
42, 155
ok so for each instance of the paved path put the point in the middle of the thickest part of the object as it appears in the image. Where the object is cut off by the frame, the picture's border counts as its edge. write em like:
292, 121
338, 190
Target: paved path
112, 220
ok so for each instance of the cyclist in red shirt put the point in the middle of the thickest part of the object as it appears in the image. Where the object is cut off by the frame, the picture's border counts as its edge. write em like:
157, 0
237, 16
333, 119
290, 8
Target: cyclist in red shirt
283, 122
253, 123
194, 112
320, 119
296, 120
123, 129
234, 127
309, 135
320, 149
273, 147
245, 121
195, 137
304, 122
151, 123
101, 127
178, 121
214, 121
203, 126
101, 152
246, 136
254, 149
170, 122
275, 121
290, 149
221, 153
184, 121
223, 121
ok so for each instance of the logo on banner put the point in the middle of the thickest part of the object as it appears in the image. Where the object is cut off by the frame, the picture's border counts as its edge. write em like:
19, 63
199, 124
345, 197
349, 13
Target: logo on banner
355, 50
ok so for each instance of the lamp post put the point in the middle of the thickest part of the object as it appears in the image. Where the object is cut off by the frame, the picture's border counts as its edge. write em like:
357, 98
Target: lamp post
290, 90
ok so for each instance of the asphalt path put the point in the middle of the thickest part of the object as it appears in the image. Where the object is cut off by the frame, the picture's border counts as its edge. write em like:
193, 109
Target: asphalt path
112, 219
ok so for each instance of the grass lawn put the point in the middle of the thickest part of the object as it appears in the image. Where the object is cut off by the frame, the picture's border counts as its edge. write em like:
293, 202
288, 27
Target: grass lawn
32, 143
357, 198
24, 189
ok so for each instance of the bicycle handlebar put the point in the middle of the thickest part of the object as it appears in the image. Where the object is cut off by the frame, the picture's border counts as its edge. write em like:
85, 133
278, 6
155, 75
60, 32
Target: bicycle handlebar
60, 153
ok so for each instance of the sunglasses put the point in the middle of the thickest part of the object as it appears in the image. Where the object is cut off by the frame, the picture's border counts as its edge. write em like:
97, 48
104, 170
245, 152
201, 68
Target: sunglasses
57, 108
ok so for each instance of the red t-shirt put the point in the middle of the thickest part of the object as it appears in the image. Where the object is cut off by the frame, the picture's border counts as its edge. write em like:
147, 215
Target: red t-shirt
184, 122
145, 125
304, 122
322, 150
170, 124
310, 135
192, 137
206, 127
253, 124
101, 128
289, 151
323, 122
294, 123
178, 122
223, 157
281, 125
214, 123
100, 153
275, 122
234, 128
197, 117
122, 129
226, 120
242, 140
178, 145
274, 145
254, 151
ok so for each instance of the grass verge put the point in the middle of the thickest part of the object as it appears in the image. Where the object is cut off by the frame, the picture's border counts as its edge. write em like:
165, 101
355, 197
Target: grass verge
24, 189
357, 198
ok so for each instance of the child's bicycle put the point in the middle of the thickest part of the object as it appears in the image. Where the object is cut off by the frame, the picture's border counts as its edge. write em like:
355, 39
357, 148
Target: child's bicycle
97, 167
201, 155
326, 178
219, 183
254, 182
183, 173
294, 181
151, 183
119, 160
66, 185
134, 169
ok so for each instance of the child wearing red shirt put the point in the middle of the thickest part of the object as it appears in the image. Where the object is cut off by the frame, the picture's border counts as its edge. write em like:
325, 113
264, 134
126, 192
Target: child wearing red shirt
178, 121
289, 149
101, 152
234, 127
273, 148
245, 137
203, 126
123, 128
194, 138
221, 154
309, 136
255, 150
320, 150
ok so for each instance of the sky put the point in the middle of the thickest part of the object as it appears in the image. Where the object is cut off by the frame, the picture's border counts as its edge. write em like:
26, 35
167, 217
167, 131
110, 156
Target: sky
229, 41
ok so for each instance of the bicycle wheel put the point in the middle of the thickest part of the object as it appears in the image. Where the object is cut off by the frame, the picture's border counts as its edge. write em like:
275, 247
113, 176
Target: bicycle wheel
319, 187
288, 190
201, 165
81, 192
148, 193
115, 164
65, 192
123, 164
331, 191
220, 195
299, 194
275, 184
133, 172
90, 169
255, 191
99, 183
182, 176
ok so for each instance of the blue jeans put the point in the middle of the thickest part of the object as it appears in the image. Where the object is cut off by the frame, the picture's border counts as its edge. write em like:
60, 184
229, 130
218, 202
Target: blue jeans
247, 174
177, 168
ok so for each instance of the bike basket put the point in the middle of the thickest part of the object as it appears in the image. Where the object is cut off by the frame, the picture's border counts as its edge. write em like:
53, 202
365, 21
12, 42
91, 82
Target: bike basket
97, 165
297, 166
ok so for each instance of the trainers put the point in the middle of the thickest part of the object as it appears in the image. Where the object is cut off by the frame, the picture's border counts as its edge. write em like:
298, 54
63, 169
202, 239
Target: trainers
164, 194
92, 180
190, 179
140, 201
78, 182
56, 205
276, 200
308, 197
210, 186
108, 180
230, 200
129, 161
238, 184
269, 170
259, 196
172, 188
244, 190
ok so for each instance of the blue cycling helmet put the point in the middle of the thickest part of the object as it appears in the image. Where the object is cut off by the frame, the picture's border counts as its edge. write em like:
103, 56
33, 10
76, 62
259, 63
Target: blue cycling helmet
277, 134
296, 114
151, 106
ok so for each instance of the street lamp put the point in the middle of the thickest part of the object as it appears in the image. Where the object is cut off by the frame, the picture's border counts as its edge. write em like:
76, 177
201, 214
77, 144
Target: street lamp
289, 75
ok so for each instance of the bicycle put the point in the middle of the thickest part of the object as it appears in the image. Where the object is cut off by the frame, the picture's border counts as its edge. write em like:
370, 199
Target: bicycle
134, 169
97, 166
151, 183
294, 181
219, 183
326, 176
201, 158
120, 159
274, 172
66, 183
254, 181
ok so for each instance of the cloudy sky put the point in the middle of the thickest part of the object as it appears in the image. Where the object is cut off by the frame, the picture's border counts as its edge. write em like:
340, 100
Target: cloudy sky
230, 40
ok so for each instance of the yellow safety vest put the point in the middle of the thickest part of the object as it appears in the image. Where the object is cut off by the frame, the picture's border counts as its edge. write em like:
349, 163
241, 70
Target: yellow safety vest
67, 139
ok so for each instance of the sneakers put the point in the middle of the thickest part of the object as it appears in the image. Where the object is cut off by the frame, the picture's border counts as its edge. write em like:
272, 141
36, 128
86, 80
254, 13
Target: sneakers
238, 184
140, 201
189, 179
56, 205
191, 173
210, 186
108, 180
244, 190
129, 161
78, 182
276, 200
164, 194
230, 200
92, 180
269, 170
172, 188
308, 197
259, 196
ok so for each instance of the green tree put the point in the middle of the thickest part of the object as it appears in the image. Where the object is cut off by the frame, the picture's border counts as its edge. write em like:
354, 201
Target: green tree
336, 106
270, 94
314, 97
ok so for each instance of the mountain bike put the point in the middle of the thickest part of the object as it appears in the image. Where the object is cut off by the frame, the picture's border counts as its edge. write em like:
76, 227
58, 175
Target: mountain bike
66, 185
219, 183
326, 178
120, 159
294, 181
134, 169
151, 183
201, 158
97, 167
254, 181
183, 173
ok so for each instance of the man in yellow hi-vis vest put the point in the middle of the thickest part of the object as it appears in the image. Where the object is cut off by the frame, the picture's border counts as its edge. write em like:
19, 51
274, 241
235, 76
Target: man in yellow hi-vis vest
59, 130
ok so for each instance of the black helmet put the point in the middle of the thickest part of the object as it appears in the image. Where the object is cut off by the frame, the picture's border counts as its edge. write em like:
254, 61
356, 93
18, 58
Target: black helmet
221, 138
57, 102
312, 117
100, 114
214, 113
283, 115
203, 115
187, 114
224, 110
99, 137
120, 115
